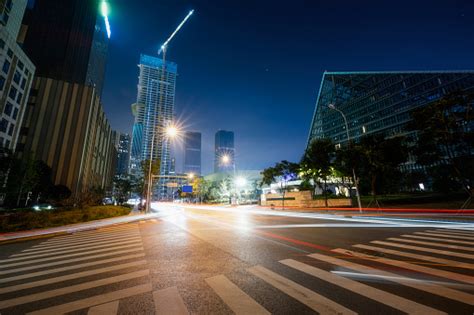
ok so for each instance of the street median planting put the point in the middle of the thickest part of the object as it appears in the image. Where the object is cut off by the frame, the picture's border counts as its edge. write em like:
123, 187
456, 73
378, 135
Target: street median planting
27, 220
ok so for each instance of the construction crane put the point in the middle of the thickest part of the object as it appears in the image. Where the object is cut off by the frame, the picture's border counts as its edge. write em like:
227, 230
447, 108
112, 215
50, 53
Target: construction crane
162, 50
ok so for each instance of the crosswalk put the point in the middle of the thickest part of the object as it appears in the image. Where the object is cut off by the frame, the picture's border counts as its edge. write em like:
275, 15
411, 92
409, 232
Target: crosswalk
95, 272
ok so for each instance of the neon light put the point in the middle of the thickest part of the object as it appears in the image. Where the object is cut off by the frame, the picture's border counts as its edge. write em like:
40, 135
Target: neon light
105, 13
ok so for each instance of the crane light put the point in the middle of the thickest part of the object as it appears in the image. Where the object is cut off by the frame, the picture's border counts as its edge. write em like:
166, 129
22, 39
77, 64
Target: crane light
105, 13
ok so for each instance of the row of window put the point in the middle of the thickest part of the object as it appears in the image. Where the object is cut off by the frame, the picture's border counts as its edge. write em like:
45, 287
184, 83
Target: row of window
5, 125
11, 110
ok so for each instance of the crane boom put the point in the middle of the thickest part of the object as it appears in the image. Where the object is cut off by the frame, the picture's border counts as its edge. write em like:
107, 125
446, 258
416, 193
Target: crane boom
165, 45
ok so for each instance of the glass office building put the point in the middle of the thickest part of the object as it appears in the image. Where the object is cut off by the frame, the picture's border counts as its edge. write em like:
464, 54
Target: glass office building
192, 152
379, 102
224, 151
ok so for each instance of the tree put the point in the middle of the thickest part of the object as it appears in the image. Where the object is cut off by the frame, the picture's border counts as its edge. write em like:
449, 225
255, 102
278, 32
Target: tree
445, 139
284, 171
123, 188
380, 159
317, 163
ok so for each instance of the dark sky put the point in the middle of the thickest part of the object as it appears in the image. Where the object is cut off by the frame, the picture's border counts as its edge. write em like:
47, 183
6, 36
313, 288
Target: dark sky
254, 67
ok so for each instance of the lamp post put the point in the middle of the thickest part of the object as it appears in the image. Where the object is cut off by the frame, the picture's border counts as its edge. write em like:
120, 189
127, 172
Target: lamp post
333, 107
170, 132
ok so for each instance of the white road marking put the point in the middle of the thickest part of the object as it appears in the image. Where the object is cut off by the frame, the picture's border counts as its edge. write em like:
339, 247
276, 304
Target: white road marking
77, 275
398, 263
88, 238
304, 295
78, 266
446, 236
169, 302
448, 262
380, 296
424, 249
63, 262
470, 249
105, 309
438, 239
455, 232
237, 300
66, 250
94, 300
71, 289
77, 243
84, 253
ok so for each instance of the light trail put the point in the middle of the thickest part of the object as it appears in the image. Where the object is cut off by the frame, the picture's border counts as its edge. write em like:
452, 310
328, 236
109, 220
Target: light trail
165, 44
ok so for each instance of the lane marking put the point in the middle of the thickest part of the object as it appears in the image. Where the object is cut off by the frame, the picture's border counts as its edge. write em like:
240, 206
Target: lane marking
392, 300
424, 249
95, 300
168, 301
79, 266
82, 234
88, 239
105, 309
72, 289
438, 239
88, 252
447, 236
432, 288
471, 249
447, 262
398, 263
77, 243
63, 262
237, 300
300, 293
29, 285
68, 250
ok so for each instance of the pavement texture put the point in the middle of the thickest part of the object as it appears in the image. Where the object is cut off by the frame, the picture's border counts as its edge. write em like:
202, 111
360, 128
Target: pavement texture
246, 260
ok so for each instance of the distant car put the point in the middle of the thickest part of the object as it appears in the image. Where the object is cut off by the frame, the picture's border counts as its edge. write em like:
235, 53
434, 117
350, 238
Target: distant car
42, 206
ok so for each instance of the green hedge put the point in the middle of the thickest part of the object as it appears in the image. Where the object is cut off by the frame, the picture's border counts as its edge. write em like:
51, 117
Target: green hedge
22, 221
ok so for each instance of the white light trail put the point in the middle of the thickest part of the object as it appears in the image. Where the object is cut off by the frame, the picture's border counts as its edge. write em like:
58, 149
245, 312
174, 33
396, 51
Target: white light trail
164, 46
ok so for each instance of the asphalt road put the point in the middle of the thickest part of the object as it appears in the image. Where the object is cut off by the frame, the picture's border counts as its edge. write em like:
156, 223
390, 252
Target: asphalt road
244, 260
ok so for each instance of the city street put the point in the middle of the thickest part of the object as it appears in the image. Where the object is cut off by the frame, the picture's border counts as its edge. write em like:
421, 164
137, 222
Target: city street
246, 260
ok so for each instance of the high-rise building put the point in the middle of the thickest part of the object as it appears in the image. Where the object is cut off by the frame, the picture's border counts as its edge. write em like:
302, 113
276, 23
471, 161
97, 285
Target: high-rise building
379, 102
123, 154
16, 73
156, 91
64, 124
68, 40
138, 111
224, 151
192, 152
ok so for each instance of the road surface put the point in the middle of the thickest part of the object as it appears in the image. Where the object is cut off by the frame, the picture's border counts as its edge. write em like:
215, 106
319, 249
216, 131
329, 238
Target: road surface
246, 260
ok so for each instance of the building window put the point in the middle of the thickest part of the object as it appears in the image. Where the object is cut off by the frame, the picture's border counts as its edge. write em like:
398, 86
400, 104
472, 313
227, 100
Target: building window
23, 83
15, 113
3, 125
8, 109
4, 18
10, 53
18, 99
21, 65
2, 82
7, 143
17, 77
9, 5
10, 130
27, 72
2, 43
12, 93
6, 67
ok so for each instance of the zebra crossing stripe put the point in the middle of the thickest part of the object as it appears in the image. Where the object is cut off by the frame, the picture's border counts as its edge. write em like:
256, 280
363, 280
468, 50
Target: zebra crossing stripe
438, 239
97, 232
33, 261
79, 239
168, 301
72, 276
446, 236
455, 232
398, 263
105, 309
470, 249
432, 288
300, 293
67, 250
424, 249
63, 262
380, 296
94, 300
447, 262
78, 266
237, 300
76, 243
71, 289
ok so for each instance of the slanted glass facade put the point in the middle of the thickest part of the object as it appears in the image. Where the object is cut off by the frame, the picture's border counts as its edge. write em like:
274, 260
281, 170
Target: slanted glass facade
378, 102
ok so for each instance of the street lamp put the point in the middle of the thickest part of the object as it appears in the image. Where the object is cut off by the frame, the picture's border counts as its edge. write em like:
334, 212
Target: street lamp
171, 132
333, 107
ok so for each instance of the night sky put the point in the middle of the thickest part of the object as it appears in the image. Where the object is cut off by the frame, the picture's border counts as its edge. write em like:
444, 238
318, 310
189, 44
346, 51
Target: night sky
254, 67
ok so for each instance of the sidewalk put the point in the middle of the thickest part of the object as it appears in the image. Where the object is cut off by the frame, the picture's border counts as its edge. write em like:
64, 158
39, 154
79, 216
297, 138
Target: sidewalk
72, 228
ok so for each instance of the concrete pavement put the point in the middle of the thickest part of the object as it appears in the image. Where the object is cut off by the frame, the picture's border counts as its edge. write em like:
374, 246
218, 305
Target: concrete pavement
239, 260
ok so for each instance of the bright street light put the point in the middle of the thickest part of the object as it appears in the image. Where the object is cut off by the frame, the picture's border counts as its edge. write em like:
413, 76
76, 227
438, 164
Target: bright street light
240, 181
225, 159
191, 175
